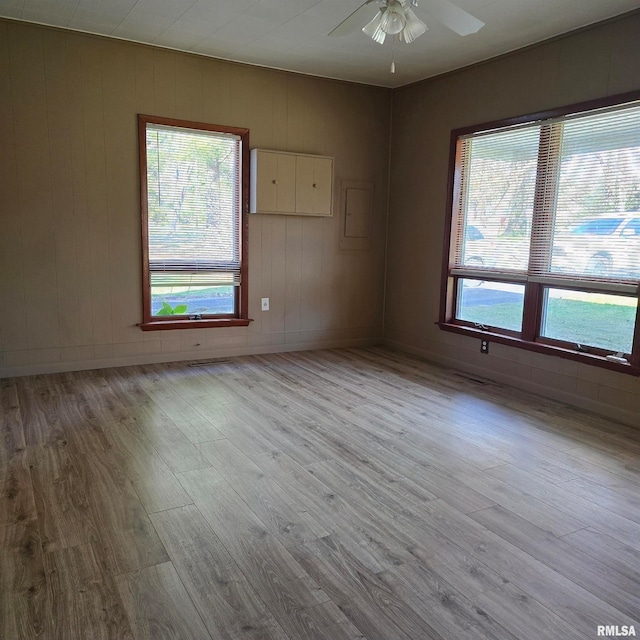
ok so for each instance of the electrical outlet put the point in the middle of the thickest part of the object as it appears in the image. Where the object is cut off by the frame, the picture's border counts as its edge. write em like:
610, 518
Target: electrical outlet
265, 304
484, 346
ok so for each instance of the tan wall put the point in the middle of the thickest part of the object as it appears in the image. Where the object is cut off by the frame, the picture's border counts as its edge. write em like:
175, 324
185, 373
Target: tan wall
70, 284
602, 61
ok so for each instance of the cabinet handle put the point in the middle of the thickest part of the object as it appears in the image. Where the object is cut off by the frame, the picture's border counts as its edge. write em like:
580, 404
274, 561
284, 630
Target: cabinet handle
314, 185
274, 181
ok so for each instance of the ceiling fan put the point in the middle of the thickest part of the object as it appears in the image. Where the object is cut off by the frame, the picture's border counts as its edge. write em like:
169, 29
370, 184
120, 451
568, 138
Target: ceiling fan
397, 18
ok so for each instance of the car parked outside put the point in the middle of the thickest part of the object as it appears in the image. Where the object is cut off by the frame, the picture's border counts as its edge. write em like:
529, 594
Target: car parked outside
603, 246
492, 251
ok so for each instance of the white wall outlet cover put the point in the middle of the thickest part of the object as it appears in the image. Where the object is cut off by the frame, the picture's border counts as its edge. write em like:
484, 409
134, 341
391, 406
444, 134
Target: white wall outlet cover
265, 304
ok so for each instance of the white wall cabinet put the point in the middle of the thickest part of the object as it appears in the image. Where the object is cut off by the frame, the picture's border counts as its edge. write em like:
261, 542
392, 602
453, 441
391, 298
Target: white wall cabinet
291, 183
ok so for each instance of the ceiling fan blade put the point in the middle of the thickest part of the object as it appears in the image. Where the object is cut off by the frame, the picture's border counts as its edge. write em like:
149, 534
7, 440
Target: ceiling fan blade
454, 17
351, 22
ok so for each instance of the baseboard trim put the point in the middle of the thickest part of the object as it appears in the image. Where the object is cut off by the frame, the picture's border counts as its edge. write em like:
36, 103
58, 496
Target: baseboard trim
184, 356
605, 410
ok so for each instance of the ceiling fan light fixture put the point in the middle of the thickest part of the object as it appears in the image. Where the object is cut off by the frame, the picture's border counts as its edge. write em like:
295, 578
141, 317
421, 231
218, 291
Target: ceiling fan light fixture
414, 27
374, 28
393, 19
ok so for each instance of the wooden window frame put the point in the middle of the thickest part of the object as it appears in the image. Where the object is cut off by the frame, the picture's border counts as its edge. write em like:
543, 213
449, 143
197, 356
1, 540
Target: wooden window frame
240, 318
529, 338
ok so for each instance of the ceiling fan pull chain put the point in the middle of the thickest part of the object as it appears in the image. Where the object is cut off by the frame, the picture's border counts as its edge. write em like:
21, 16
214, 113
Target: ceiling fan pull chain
393, 55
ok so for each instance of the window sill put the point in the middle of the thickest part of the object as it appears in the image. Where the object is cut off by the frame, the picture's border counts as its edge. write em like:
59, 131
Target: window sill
165, 325
538, 347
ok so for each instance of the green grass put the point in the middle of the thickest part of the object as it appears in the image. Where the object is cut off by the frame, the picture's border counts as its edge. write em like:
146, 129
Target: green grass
609, 326
191, 294
507, 315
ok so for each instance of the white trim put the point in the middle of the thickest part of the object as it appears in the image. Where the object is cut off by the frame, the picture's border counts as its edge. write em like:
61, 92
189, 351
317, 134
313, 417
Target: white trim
595, 285
180, 356
486, 274
611, 412
550, 280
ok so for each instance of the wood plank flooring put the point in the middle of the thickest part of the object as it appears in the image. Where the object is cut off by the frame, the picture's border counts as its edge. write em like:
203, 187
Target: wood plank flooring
327, 495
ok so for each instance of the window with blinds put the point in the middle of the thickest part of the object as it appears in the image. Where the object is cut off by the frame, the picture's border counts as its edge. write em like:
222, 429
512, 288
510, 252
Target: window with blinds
193, 206
544, 243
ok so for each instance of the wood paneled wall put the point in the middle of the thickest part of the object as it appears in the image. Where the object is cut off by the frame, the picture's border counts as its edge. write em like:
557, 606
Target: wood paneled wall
70, 282
593, 63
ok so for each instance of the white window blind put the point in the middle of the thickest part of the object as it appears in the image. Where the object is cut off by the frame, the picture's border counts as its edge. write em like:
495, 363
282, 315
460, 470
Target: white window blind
194, 201
596, 205
553, 201
496, 199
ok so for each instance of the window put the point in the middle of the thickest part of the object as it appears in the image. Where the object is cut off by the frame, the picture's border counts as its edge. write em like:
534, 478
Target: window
194, 198
543, 247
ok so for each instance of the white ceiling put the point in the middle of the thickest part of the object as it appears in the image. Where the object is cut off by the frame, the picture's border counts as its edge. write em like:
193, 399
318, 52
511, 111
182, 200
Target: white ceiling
291, 34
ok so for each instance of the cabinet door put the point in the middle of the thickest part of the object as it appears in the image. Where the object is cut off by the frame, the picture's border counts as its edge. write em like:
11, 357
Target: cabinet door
322, 186
275, 182
314, 177
304, 184
266, 181
286, 183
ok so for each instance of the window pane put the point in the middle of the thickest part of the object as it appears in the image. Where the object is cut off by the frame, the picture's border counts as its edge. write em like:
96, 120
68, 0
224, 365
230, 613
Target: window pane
596, 232
191, 293
192, 300
193, 197
493, 304
590, 319
498, 192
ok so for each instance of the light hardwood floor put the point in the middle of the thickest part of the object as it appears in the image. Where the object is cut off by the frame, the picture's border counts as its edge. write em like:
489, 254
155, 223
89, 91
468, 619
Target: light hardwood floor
320, 495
